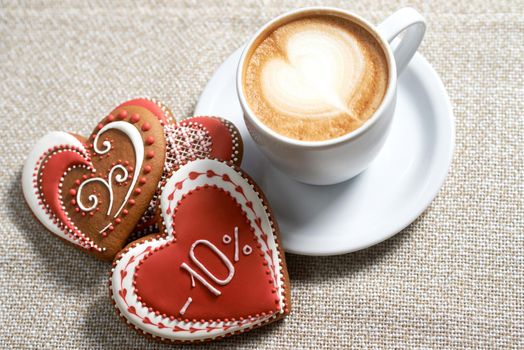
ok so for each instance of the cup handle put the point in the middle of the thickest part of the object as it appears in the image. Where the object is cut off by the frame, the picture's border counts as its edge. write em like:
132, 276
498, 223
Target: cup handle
414, 24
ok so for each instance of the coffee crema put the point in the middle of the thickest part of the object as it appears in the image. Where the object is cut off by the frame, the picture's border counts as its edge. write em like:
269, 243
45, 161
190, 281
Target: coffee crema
316, 78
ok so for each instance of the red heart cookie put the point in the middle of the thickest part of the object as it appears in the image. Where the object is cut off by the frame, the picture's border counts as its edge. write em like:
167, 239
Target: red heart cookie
92, 192
219, 270
190, 139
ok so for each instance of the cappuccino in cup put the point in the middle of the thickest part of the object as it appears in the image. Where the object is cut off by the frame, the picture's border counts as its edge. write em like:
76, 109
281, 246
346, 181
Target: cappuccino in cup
318, 88
315, 78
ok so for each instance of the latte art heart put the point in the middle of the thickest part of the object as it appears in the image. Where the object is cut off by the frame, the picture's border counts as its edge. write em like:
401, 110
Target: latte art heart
316, 78
321, 73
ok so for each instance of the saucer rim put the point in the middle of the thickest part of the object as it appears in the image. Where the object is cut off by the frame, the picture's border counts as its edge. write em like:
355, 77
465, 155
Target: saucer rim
427, 74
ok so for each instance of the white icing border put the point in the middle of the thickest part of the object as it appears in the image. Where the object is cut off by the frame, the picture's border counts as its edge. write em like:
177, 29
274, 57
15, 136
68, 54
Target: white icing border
52, 139
201, 165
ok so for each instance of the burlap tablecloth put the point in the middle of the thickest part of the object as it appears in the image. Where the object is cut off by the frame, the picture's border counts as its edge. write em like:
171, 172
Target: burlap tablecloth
454, 278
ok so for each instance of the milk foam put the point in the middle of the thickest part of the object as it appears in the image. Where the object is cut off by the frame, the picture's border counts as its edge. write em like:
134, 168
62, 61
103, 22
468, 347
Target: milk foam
322, 71
316, 78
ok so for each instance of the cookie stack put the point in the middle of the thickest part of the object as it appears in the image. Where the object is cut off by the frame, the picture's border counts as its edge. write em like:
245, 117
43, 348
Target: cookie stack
195, 248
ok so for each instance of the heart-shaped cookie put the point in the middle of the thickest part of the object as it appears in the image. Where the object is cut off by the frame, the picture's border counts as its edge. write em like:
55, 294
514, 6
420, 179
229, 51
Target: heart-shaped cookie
192, 138
92, 192
219, 270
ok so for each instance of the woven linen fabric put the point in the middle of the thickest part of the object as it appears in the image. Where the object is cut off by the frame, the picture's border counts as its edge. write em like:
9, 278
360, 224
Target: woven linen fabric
452, 279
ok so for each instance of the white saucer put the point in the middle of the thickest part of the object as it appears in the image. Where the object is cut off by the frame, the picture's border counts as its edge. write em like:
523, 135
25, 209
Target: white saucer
372, 207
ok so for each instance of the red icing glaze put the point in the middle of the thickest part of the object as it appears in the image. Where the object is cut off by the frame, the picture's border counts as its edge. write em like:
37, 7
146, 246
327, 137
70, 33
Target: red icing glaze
135, 118
207, 213
221, 136
147, 104
55, 167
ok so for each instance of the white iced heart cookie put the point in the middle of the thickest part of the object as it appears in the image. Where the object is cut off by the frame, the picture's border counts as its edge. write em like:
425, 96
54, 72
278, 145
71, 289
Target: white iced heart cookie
316, 78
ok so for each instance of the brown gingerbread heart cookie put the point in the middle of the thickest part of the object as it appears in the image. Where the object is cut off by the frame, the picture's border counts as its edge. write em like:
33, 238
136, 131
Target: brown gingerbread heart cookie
219, 270
92, 191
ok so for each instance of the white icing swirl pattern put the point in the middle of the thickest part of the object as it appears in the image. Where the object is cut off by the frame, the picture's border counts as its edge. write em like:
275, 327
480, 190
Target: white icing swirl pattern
93, 199
136, 139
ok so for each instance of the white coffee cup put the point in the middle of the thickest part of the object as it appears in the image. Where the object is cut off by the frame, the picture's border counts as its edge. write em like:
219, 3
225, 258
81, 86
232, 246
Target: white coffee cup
339, 159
